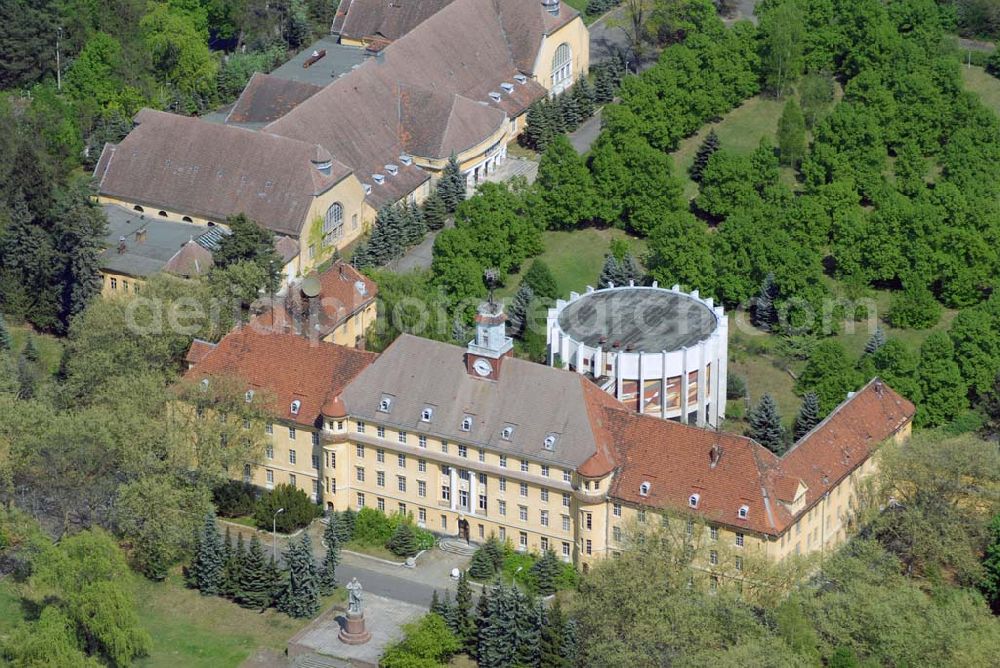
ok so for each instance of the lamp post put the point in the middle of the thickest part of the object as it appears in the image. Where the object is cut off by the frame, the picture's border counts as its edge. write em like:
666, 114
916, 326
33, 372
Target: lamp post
274, 534
514, 576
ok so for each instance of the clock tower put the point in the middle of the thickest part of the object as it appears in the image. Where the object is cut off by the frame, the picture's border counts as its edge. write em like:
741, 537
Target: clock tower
486, 352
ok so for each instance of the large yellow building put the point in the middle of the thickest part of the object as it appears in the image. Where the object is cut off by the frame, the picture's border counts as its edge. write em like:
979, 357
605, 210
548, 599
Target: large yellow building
474, 442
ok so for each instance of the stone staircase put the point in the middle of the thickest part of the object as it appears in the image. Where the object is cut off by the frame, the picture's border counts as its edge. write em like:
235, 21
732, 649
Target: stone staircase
317, 661
459, 547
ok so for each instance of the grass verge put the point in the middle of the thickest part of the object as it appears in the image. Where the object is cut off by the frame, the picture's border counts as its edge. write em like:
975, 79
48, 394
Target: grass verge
986, 86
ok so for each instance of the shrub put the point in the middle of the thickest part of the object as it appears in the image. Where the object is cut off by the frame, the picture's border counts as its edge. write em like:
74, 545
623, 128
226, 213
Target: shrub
914, 307
736, 387
427, 642
299, 510
404, 541
234, 498
374, 528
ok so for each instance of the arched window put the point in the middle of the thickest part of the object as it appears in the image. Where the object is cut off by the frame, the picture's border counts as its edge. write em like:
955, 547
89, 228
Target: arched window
562, 68
333, 223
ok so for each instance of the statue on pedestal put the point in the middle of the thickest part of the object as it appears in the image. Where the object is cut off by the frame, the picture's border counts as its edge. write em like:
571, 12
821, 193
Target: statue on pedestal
355, 601
354, 631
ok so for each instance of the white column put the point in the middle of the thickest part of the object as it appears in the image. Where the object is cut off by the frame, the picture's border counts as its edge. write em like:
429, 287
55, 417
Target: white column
702, 390
642, 386
454, 488
473, 499
663, 383
713, 390
684, 385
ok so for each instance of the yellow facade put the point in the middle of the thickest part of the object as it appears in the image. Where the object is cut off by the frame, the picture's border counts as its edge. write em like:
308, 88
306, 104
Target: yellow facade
575, 35
353, 329
313, 247
119, 285
348, 463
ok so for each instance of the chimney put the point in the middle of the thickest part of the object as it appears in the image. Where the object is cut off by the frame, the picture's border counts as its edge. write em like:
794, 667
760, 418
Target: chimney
122, 247
714, 454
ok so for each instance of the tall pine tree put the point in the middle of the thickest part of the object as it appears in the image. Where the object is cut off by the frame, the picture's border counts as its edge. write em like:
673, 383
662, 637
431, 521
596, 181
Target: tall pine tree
583, 93
708, 147
328, 570
808, 417
553, 638
451, 186
255, 586
301, 596
545, 572
464, 627
765, 425
435, 211
207, 572
520, 306
876, 341
765, 313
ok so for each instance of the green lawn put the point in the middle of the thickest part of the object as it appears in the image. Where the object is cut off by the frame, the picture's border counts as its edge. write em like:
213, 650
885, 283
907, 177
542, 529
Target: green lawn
985, 85
372, 551
49, 347
192, 630
740, 130
575, 258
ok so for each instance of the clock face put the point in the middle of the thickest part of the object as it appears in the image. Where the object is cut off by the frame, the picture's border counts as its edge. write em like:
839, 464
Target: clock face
482, 367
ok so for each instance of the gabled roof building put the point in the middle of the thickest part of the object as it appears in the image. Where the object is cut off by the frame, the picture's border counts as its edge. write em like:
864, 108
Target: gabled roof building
474, 442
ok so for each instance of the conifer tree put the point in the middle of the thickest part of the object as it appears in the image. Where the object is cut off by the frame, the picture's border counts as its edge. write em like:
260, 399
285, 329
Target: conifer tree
570, 646
328, 570
538, 131
764, 313
495, 643
494, 548
26, 378
235, 564
528, 624
255, 587
556, 120
301, 596
808, 417
481, 566
553, 638
361, 257
464, 628
416, 228
517, 314
570, 111
435, 607
30, 352
435, 211
207, 572
276, 581
448, 611
545, 572
611, 273
403, 541
451, 187
765, 425
583, 93
345, 525
482, 618
604, 85
5, 340
876, 341
708, 147
541, 280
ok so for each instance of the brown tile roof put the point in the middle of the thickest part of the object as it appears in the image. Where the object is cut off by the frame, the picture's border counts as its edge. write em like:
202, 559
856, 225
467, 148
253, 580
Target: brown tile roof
363, 118
213, 171
435, 125
287, 366
267, 98
343, 292
846, 438
198, 350
191, 260
675, 460
287, 248
390, 19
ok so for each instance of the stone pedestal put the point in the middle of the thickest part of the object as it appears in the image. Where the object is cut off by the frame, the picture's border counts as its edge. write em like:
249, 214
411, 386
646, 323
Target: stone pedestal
354, 632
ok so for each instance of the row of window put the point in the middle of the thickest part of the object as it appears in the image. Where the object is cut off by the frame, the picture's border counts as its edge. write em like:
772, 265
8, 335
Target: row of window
463, 451
114, 285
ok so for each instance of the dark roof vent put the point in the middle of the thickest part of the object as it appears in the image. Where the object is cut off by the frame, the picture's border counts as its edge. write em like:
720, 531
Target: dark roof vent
551, 6
714, 454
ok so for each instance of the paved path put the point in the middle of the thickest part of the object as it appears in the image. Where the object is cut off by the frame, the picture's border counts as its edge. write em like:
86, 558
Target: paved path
584, 136
605, 39
420, 256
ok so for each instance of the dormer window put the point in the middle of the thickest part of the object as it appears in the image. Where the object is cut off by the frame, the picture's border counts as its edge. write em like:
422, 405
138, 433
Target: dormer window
249, 396
550, 442
495, 96
693, 500
743, 512
367, 188
204, 384
296, 405
507, 87
426, 414
385, 404
406, 159
379, 179
392, 170
644, 489
520, 78
467, 423
506, 433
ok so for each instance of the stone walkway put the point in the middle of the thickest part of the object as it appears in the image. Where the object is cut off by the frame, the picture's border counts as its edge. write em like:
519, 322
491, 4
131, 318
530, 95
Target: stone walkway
384, 618
512, 167
584, 136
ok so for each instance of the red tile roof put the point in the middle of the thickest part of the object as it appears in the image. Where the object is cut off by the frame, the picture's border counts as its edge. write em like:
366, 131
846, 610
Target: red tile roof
198, 350
343, 292
287, 366
675, 460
